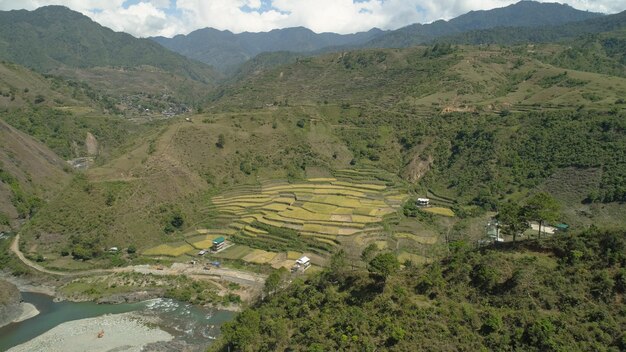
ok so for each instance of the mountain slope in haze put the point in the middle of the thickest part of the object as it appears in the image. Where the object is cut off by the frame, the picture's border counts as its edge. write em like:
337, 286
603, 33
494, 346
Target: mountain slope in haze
225, 50
522, 14
53, 37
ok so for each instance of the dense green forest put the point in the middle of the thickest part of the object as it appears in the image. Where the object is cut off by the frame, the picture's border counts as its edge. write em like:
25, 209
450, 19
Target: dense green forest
562, 294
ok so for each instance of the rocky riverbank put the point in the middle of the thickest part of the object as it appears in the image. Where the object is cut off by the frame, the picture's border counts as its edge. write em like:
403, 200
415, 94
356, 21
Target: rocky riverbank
120, 332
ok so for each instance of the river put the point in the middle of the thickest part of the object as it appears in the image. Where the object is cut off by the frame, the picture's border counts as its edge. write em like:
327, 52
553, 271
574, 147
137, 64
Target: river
195, 326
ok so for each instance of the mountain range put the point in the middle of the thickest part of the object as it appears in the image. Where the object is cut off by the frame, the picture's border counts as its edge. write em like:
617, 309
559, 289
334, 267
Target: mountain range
225, 50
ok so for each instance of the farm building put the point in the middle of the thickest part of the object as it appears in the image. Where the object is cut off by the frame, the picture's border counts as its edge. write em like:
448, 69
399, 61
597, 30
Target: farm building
218, 244
423, 202
493, 231
301, 264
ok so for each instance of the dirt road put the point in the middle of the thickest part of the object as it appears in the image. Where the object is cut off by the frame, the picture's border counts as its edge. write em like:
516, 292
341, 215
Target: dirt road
223, 274
15, 248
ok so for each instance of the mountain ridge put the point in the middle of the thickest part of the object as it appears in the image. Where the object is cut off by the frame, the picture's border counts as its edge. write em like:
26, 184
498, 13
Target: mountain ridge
52, 37
522, 14
226, 50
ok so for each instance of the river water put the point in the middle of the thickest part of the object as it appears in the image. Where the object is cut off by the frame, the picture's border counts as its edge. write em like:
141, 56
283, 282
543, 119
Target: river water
194, 325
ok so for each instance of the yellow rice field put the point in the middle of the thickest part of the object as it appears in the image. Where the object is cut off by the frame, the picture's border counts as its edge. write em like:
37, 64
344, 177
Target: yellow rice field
170, 250
259, 256
439, 211
292, 255
322, 208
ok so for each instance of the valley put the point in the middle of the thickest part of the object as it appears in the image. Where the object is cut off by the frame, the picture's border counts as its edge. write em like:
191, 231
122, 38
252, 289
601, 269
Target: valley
455, 185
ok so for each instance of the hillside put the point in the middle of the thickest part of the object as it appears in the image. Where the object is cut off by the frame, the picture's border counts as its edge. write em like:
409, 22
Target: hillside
21, 87
225, 50
175, 170
138, 72
46, 121
562, 294
511, 35
419, 128
467, 124
52, 37
526, 14
30, 174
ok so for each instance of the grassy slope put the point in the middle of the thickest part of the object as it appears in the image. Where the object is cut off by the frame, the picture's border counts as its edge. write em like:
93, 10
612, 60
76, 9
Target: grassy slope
130, 198
31, 174
425, 79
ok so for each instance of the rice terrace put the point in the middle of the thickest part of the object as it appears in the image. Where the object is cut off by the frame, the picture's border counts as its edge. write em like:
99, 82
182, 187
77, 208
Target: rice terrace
276, 221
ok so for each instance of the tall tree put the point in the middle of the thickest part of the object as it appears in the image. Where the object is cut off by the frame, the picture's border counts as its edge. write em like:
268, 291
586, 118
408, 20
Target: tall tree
338, 263
511, 219
542, 207
275, 281
384, 264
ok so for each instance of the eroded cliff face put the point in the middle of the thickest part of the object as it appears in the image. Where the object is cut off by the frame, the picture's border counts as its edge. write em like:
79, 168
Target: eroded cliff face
10, 297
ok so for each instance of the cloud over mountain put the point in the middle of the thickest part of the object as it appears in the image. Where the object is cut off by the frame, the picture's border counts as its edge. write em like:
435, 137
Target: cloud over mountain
144, 18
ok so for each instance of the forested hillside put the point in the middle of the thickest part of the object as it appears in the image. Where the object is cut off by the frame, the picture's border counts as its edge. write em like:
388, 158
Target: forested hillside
565, 293
52, 37
134, 74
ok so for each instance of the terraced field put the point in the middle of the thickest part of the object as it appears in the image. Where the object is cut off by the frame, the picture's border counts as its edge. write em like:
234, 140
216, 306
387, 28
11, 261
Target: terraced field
320, 210
276, 222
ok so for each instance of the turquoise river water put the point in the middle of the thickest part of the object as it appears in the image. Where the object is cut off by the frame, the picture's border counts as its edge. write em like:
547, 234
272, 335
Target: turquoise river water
195, 325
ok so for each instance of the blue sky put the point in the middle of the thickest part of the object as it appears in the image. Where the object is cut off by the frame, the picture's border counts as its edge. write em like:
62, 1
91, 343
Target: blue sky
144, 18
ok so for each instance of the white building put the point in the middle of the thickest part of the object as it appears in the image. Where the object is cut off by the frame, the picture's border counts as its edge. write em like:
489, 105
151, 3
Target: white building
302, 264
423, 202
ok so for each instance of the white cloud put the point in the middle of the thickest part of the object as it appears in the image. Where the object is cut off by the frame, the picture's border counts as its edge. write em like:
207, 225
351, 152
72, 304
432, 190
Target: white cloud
168, 17
144, 18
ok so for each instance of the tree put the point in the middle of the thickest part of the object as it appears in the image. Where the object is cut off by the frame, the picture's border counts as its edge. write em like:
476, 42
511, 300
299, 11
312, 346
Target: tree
338, 264
221, 140
511, 219
274, 281
384, 264
368, 252
541, 207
